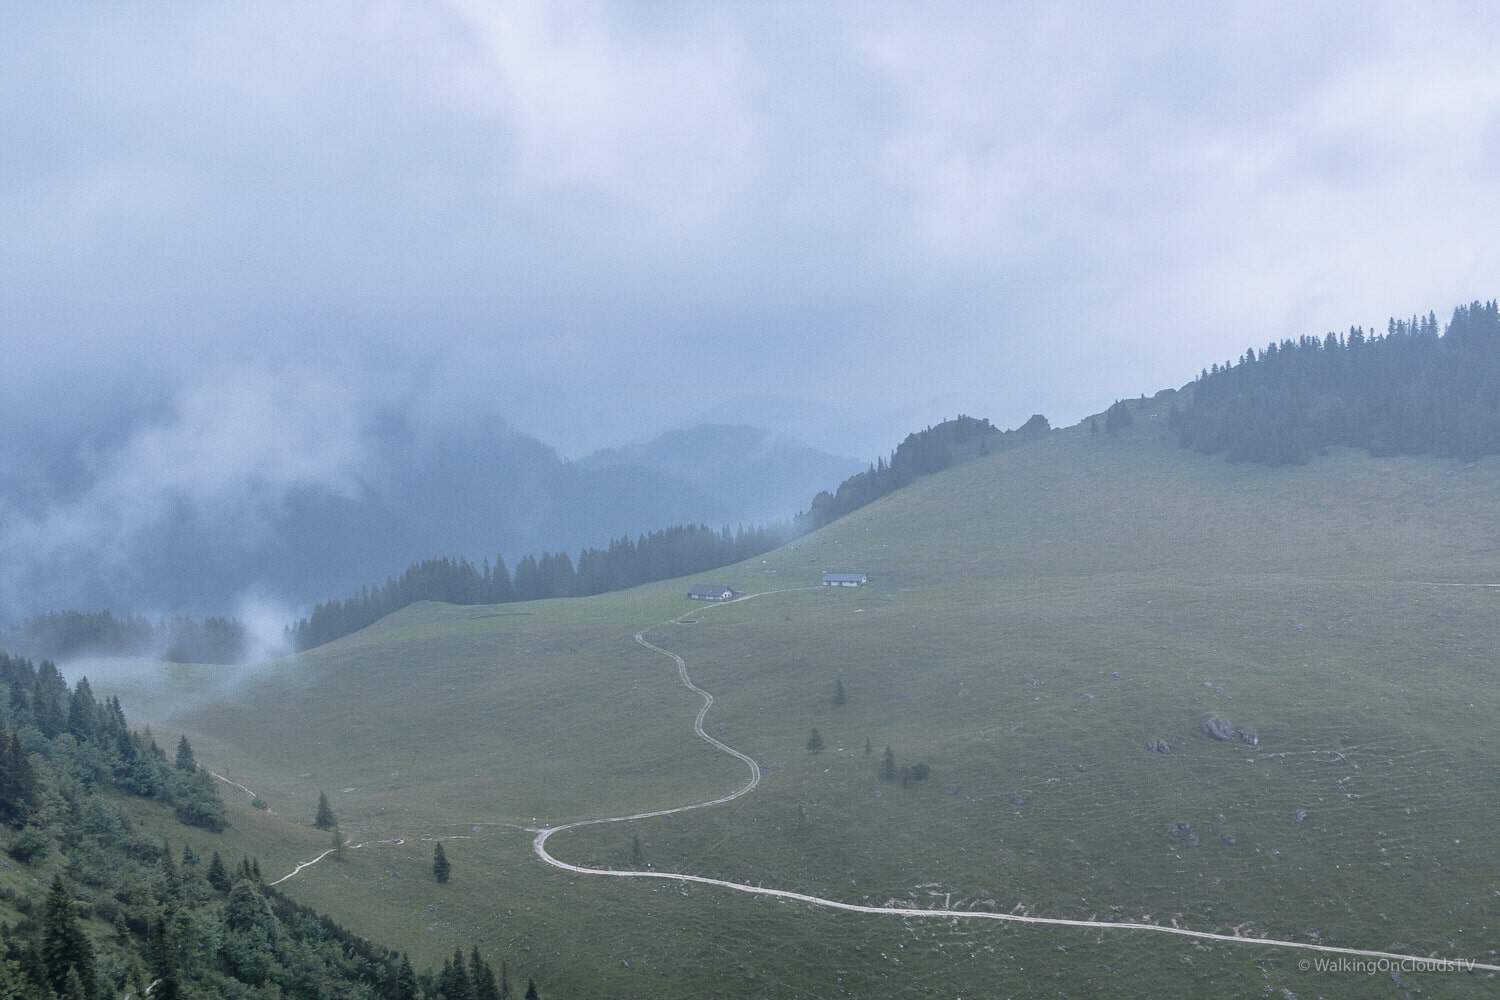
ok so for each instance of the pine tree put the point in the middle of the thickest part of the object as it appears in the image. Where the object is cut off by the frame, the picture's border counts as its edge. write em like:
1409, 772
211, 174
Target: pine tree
839, 696
504, 980
163, 961
404, 983
888, 766
217, 876
440, 866
868, 748
814, 740
255, 870
65, 946
325, 819
169, 890
531, 993
1117, 416
83, 712
338, 843
185, 760
73, 988
637, 856
19, 792
482, 977
454, 982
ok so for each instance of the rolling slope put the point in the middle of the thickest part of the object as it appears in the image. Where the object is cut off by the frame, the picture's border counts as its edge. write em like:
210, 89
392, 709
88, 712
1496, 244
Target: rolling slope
1035, 620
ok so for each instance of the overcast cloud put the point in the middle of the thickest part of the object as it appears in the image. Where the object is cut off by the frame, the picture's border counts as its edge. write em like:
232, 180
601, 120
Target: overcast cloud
602, 221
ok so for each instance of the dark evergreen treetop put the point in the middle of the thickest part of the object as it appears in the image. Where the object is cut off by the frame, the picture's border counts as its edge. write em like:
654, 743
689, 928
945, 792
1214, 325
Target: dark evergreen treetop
920, 454
325, 818
60, 635
185, 760
625, 562
1413, 390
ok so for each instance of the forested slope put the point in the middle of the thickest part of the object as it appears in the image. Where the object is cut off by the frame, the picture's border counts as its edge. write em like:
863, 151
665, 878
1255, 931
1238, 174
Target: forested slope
92, 906
1412, 391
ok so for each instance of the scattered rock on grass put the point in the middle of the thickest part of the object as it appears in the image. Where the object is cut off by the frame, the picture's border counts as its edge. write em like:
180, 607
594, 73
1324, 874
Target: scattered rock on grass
1218, 728
1183, 833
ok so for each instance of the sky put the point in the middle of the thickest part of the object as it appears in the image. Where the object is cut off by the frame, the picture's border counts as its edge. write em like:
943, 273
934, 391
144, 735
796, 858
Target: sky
600, 221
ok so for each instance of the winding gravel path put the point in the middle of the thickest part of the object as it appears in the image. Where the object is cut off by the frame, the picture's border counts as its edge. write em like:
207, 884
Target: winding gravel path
539, 846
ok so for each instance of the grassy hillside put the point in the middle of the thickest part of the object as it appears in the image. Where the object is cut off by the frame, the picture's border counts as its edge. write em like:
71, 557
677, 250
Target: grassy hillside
1035, 619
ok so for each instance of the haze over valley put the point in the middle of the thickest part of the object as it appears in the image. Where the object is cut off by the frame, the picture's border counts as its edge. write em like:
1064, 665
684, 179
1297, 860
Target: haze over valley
680, 501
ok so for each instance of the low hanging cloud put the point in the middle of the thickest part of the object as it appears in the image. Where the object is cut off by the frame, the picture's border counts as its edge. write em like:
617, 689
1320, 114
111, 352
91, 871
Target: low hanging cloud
602, 220
236, 442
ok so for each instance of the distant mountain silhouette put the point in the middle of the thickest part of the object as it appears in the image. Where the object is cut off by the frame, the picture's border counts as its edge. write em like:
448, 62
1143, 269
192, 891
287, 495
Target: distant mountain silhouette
754, 474
475, 491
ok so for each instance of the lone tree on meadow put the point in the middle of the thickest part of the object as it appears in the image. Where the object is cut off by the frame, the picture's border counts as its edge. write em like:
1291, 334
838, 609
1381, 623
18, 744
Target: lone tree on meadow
637, 856
839, 695
185, 760
888, 766
325, 820
868, 748
814, 740
339, 842
440, 868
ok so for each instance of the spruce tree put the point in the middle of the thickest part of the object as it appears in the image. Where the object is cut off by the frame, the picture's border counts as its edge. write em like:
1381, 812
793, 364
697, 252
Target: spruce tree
440, 866
338, 843
814, 740
531, 993
83, 712
482, 977
839, 696
185, 760
637, 856
888, 766
868, 748
65, 946
325, 819
17, 781
404, 984
169, 890
217, 876
504, 980
455, 980
163, 959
